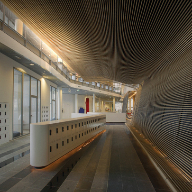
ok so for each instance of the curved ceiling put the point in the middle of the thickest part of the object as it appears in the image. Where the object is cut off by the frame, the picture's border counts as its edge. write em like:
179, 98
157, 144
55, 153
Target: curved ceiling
127, 41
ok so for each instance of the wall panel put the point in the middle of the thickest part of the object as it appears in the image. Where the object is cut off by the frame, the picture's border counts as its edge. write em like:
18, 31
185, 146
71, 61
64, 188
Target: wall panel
163, 114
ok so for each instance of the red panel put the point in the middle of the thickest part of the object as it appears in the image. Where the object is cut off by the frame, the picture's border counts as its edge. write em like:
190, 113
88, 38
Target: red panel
87, 105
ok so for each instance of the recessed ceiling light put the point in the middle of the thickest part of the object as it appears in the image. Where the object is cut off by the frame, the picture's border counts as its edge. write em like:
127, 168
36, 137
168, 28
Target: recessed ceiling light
31, 64
17, 57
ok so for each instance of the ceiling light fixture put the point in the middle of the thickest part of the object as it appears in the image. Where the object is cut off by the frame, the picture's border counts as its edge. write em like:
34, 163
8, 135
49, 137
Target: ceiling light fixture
17, 57
31, 64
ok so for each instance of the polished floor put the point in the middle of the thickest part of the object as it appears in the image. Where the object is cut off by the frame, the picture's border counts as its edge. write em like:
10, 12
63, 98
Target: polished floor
113, 162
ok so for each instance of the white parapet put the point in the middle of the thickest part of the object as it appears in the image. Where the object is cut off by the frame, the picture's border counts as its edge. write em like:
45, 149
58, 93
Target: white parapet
51, 140
112, 117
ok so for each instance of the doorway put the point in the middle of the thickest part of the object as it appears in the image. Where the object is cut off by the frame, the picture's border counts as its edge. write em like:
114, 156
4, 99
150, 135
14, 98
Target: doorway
33, 110
87, 105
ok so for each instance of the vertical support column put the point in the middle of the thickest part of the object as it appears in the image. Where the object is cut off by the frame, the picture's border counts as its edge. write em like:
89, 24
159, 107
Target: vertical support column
19, 26
101, 106
113, 104
60, 99
93, 103
129, 105
133, 101
76, 103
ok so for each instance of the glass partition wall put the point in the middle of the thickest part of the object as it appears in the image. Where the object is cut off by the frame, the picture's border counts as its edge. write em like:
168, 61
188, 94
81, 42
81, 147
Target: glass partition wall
26, 103
52, 103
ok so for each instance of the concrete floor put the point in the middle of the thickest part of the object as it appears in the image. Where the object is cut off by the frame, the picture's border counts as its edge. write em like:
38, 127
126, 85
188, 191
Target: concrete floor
111, 163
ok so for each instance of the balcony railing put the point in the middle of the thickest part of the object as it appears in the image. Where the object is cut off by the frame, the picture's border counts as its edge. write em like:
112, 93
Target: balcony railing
32, 42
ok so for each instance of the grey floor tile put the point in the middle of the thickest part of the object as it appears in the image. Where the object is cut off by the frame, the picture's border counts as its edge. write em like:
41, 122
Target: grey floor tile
2, 179
68, 186
39, 183
29, 189
99, 184
145, 186
20, 186
98, 190
74, 176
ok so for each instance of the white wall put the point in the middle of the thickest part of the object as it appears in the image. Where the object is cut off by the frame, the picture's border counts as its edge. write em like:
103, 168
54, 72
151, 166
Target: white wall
7, 66
68, 105
81, 102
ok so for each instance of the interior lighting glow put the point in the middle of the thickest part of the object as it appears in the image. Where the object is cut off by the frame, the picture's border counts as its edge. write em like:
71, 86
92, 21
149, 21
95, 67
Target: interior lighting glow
21, 70
31, 64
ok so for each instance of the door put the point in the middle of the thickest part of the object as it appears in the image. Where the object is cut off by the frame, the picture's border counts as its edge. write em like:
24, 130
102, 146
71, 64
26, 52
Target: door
87, 105
33, 110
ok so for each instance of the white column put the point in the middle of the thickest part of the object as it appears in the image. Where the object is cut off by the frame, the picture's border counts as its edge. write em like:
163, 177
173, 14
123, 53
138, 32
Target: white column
129, 105
101, 106
19, 26
93, 103
113, 104
133, 101
59, 98
76, 103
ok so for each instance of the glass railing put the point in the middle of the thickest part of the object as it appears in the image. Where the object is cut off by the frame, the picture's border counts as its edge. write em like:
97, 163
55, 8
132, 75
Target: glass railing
30, 40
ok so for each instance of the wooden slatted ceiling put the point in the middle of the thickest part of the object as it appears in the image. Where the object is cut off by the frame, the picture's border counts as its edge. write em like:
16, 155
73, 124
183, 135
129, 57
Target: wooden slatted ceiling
127, 41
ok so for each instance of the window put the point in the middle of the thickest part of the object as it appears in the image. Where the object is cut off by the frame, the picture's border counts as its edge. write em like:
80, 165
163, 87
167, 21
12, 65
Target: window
71, 138
52, 103
79, 124
67, 127
82, 134
49, 132
79, 135
75, 136
57, 146
50, 148
62, 143
67, 140
62, 129
75, 125
56, 130
26, 102
71, 126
